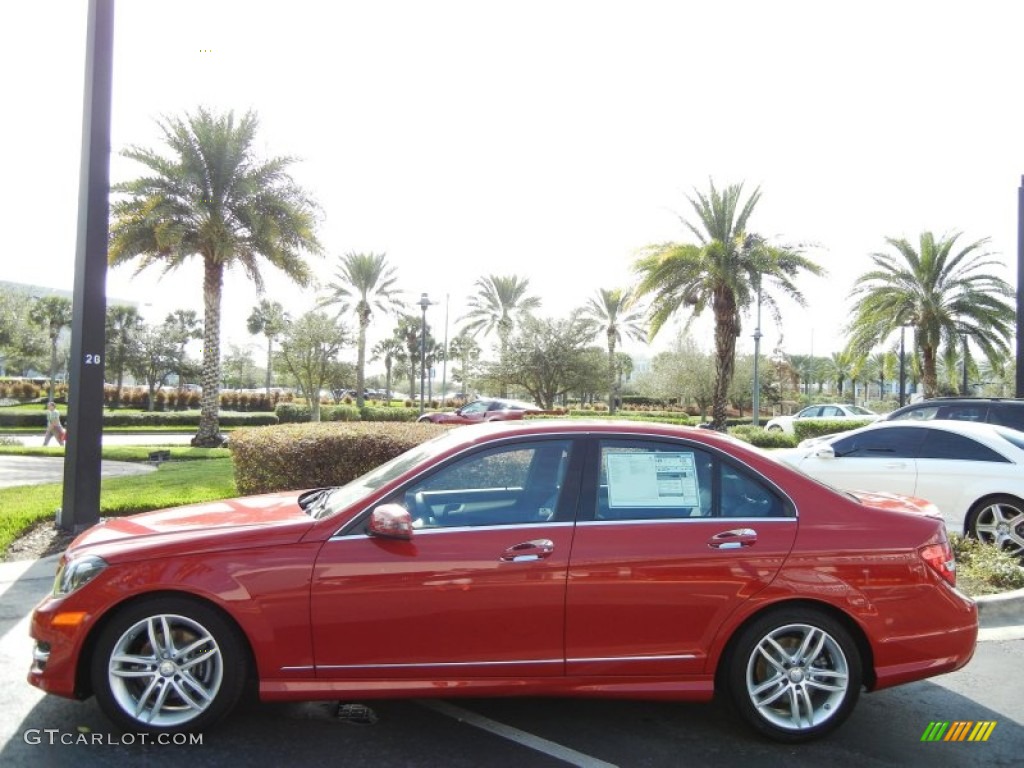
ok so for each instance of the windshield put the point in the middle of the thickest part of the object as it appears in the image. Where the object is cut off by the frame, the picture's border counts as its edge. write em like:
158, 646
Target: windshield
346, 495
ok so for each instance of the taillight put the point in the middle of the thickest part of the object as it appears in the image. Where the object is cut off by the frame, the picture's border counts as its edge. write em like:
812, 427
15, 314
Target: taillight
940, 558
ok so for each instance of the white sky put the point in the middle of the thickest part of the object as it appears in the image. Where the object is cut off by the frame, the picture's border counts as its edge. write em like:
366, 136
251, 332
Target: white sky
549, 139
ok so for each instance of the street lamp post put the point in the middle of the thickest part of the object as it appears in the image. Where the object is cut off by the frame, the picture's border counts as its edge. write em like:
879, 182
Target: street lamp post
424, 303
903, 368
963, 390
757, 357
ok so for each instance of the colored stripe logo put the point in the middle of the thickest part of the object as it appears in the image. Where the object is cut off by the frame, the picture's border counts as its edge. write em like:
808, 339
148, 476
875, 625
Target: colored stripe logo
958, 730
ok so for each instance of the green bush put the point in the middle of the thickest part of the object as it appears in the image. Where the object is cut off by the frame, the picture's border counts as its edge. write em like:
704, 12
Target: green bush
805, 428
292, 413
377, 413
762, 438
984, 569
293, 456
183, 419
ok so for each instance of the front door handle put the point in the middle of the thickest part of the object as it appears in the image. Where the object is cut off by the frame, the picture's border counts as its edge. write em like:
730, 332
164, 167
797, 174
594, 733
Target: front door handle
528, 550
734, 539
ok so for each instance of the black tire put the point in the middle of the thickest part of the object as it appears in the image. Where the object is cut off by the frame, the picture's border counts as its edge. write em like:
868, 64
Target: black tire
774, 428
998, 520
826, 684
187, 684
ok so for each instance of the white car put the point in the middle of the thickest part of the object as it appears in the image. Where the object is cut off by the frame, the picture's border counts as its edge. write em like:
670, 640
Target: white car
828, 412
973, 473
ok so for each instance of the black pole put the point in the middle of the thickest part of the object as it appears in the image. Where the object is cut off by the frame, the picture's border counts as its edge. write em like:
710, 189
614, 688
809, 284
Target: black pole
424, 303
903, 369
964, 390
81, 500
1020, 285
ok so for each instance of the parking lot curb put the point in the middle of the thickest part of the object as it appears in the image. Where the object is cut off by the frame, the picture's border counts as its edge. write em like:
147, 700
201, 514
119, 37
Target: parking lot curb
1002, 610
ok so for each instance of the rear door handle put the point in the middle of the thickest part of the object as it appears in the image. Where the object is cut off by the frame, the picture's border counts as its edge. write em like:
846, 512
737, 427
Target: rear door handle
528, 551
734, 539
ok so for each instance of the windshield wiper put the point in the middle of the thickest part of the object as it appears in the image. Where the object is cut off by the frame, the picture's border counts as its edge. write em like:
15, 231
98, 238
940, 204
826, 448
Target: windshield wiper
312, 501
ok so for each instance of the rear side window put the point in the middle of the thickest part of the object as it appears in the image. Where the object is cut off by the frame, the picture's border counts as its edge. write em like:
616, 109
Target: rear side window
647, 480
977, 413
896, 443
946, 445
924, 413
1008, 416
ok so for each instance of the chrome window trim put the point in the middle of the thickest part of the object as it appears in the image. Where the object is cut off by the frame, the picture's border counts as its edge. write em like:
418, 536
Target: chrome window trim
417, 532
664, 520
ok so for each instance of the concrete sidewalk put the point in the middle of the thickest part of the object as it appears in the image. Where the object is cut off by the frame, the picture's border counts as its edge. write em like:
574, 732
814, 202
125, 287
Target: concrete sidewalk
34, 470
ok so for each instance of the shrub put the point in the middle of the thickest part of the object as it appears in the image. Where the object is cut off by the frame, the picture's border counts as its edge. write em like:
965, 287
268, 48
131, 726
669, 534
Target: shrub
293, 456
376, 413
762, 438
983, 568
805, 428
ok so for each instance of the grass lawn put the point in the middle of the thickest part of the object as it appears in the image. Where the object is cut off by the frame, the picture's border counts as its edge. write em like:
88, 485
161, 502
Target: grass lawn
125, 452
172, 484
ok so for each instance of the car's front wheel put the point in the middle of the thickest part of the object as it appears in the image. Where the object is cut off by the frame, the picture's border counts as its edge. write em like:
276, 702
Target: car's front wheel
794, 674
773, 428
999, 521
168, 664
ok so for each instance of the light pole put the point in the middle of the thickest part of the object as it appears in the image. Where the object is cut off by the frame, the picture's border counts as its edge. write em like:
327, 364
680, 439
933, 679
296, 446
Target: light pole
963, 390
903, 369
424, 303
757, 356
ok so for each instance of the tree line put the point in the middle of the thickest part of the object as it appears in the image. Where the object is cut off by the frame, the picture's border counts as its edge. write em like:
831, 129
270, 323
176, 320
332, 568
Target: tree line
212, 198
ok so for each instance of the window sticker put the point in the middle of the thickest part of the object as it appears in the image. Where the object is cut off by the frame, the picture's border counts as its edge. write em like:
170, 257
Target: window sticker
652, 480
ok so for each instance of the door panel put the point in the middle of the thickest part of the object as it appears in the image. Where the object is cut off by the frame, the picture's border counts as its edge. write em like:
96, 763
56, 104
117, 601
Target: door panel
466, 602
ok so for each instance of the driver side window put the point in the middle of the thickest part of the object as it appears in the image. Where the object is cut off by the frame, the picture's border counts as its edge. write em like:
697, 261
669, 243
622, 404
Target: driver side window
509, 485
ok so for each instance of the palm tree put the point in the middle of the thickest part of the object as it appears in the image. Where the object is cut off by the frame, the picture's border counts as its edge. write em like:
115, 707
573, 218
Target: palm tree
611, 314
53, 314
270, 319
496, 307
388, 350
122, 327
839, 367
465, 349
727, 270
213, 198
884, 365
940, 289
364, 281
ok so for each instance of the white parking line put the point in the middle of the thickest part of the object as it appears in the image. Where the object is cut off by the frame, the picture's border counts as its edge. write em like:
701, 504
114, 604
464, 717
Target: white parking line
536, 743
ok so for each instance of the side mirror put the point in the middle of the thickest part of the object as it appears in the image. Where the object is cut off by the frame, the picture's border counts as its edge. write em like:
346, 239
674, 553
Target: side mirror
391, 521
824, 452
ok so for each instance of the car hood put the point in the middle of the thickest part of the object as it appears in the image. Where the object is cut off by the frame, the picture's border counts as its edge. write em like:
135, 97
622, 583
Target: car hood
897, 502
209, 526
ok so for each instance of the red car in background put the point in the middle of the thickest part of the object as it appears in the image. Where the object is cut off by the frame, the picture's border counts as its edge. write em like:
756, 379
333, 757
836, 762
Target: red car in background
535, 558
484, 409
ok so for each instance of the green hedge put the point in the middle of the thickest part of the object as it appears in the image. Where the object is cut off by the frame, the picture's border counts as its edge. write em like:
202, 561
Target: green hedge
290, 413
804, 429
763, 438
184, 419
294, 456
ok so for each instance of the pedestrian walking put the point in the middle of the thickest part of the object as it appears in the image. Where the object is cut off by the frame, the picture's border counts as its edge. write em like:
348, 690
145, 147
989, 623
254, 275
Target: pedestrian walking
53, 426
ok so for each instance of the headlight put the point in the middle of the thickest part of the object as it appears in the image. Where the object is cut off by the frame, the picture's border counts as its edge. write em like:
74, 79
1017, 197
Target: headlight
76, 573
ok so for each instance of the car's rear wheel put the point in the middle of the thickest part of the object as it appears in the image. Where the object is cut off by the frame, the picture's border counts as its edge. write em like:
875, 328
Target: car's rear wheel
774, 428
794, 674
998, 520
168, 664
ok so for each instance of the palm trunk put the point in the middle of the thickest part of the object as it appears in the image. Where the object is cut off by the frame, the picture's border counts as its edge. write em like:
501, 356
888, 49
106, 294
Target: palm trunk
364, 322
209, 435
611, 370
928, 374
726, 329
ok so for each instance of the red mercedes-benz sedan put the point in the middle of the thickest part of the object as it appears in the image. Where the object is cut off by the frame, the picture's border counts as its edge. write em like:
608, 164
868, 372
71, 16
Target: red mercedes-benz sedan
529, 558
